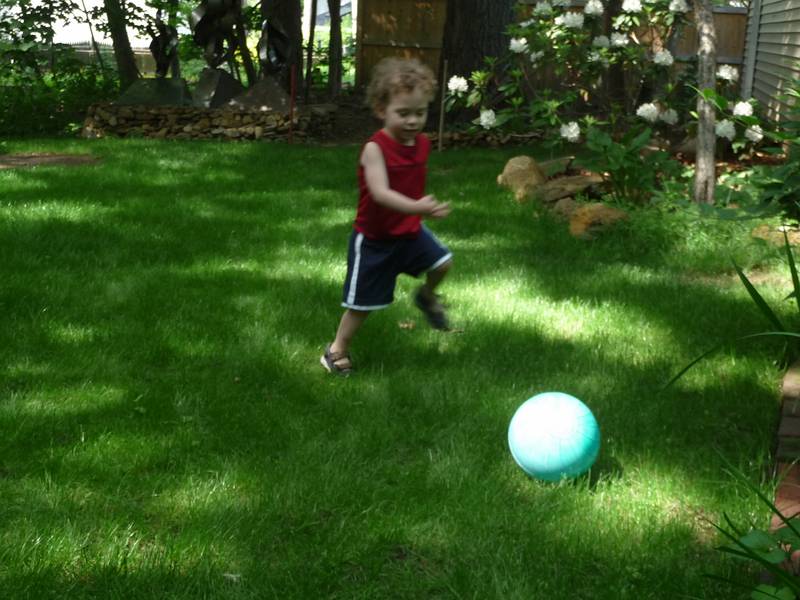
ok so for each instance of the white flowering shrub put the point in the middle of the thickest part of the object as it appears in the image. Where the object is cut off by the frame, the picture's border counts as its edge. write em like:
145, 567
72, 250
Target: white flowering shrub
555, 43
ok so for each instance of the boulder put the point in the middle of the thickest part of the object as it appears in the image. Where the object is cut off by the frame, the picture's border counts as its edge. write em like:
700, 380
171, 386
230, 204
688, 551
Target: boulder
564, 208
522, 175
590, 219
562, 187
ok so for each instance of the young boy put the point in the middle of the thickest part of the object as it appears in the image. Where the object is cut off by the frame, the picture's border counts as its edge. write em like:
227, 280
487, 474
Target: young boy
388, 237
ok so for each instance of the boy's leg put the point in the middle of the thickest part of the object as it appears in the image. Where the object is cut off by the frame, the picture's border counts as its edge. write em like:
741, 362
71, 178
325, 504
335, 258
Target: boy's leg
351, 322
336, 358
427, 300
428, 255
432, 280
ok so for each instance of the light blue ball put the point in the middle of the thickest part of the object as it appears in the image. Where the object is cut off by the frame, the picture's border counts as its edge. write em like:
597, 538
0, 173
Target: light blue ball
554, 435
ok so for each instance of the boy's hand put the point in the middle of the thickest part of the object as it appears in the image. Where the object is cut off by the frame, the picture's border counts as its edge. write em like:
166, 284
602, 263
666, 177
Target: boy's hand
430, 207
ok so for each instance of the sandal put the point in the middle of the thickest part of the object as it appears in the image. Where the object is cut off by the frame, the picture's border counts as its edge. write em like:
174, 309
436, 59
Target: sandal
433, 310
337, 363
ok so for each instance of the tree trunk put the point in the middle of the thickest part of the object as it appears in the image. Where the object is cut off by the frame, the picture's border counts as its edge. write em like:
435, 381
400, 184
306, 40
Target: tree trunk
473, 30
705, 169
117, 26
312, 26
287, 16
335, 49
247, 60
175, 67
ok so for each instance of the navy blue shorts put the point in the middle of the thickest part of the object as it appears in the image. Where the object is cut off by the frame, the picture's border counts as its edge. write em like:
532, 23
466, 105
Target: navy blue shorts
373, 266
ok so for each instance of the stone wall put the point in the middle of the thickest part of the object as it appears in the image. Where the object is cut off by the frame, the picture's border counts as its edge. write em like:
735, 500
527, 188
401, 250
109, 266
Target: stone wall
186, 123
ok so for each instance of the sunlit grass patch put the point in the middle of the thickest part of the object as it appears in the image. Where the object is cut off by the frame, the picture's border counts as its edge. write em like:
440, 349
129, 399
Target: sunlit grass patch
166, 429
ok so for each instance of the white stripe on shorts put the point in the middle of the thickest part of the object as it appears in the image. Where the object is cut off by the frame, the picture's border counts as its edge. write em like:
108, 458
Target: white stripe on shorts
351, 294
442, 260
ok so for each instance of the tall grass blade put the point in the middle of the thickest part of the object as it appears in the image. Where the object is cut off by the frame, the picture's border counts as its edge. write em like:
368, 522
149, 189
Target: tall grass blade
759, 300
683, 371
793, 269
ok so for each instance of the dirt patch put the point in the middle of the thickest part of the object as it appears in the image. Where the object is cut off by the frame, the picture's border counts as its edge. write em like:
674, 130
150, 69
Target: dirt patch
16, 161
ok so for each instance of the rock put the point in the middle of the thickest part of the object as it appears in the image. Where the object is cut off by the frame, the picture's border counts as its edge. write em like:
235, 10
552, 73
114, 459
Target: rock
522, 176
565, 207
562, 187
556, 166
590, 219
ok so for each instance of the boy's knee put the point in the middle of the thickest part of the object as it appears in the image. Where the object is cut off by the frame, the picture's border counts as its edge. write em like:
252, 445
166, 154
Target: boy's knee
444, 267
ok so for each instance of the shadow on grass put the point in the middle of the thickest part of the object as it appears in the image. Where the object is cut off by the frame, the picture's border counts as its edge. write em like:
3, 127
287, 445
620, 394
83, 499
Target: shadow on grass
160, 372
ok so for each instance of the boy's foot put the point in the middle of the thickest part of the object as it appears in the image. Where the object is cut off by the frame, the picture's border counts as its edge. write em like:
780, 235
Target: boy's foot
432, 309
337, 363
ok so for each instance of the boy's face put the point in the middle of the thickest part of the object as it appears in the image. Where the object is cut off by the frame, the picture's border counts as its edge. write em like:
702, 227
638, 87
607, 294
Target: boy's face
405, 115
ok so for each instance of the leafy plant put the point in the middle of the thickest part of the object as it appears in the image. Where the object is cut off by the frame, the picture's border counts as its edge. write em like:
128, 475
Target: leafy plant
631, 173
771, 550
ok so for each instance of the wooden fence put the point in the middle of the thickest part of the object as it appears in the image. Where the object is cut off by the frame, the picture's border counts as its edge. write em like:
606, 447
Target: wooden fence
731, 25
415, 28
406, 28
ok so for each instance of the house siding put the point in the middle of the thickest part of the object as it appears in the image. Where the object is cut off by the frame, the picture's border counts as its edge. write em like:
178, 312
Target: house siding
772, 49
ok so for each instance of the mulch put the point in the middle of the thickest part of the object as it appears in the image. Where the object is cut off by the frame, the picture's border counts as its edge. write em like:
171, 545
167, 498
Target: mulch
16, 161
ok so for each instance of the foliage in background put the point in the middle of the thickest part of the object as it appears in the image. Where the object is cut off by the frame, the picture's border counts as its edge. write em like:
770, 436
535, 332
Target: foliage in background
46, 89
632, 174
568, 54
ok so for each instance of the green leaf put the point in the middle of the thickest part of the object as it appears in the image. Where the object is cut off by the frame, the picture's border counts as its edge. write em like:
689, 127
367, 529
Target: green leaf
763, 544
792, 268
769, 592
759, 300
640, 140
707, 353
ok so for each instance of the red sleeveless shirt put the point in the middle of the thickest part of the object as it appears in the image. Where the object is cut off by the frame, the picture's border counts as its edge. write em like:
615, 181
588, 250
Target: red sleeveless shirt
406, 168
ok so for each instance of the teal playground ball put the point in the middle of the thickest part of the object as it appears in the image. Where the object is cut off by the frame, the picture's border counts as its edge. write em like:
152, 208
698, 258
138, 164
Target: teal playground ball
554, 435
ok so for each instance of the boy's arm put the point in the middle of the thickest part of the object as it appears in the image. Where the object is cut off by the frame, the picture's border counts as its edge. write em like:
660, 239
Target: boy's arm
378, 184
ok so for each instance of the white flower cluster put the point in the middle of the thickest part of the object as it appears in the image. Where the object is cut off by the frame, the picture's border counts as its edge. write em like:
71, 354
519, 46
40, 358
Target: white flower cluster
595, 56
725, 129
743, 109
570, 20
663, 58
679, 6
649, 112
619, 39
518, 45
536, 55
488, 118
632, 6
728, 73
601, 41
669, 116
571, 131
457, 85
593, 8
542, 9
754, 133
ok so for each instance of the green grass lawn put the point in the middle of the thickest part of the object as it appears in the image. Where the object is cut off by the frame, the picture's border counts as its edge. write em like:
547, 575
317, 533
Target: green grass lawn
166, 429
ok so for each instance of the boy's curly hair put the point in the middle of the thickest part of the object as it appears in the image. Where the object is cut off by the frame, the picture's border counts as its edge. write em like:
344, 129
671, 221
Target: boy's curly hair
396, 75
